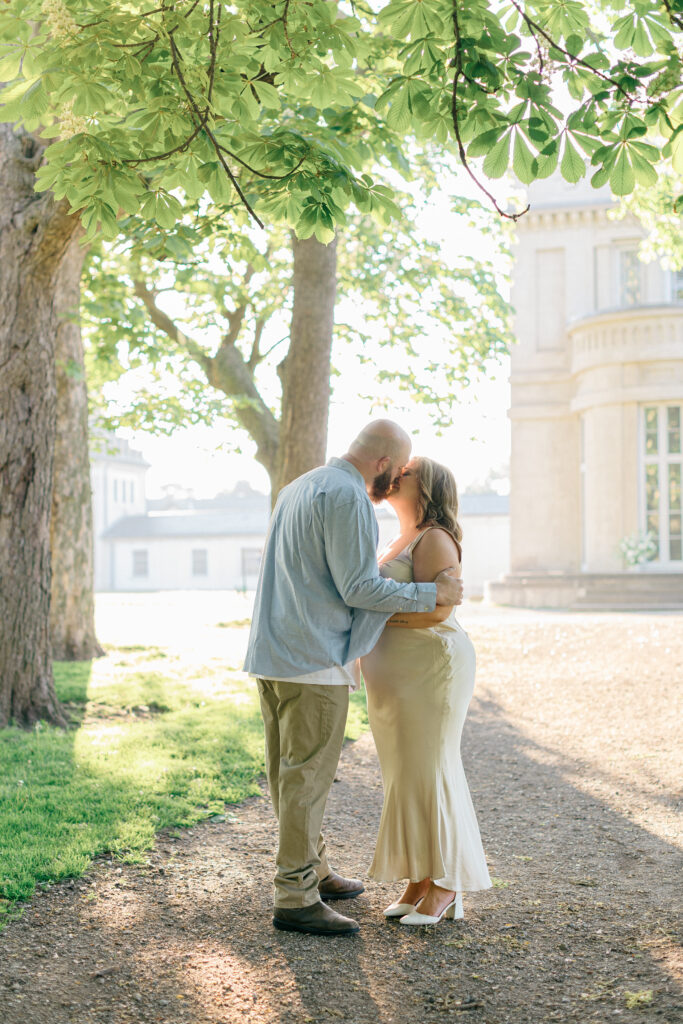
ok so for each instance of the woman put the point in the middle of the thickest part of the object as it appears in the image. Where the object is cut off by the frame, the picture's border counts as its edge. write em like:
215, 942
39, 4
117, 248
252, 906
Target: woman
419, 681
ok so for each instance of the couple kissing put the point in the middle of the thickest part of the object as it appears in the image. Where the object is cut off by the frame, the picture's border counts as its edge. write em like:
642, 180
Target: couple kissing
327, 608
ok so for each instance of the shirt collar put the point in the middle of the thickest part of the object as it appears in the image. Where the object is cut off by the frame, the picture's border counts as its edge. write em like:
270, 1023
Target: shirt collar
349, 468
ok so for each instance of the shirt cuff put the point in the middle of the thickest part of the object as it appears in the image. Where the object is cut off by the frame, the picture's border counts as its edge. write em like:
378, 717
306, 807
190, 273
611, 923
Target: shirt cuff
426, 599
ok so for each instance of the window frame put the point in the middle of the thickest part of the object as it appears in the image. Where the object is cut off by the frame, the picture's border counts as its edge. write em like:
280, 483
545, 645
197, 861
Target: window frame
663, 459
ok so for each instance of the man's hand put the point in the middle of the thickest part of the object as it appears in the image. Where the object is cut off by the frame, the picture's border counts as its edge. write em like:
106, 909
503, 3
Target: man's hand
449, 588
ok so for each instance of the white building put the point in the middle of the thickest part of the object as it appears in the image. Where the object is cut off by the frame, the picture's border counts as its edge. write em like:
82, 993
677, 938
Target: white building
183, 543
597, 405
118, 486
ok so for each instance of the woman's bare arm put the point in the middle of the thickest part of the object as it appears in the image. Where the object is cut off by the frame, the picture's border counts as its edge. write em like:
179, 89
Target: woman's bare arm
432, 554
421, 620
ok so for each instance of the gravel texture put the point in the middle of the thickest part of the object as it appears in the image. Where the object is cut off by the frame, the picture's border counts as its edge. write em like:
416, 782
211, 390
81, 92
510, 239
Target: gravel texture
572, 750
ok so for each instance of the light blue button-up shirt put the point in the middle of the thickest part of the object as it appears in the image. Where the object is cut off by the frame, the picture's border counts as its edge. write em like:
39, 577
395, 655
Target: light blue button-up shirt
320, 599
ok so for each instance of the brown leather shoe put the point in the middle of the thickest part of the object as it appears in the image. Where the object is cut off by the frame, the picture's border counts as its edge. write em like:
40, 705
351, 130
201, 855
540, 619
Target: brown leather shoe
317, 919
334, 887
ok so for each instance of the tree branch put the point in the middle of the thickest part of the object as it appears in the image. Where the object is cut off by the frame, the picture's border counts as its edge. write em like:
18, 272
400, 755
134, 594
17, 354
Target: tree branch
459, 72
255, 354
171, 329
228, 372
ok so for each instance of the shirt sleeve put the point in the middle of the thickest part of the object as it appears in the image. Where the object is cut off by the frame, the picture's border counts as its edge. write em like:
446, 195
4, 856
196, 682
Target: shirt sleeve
350, 548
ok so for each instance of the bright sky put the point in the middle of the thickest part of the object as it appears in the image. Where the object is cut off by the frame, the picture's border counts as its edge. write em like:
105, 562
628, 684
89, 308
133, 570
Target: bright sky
477, 440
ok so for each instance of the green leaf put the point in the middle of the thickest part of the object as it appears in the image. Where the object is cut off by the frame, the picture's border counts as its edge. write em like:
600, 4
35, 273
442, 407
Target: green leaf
626, 34
546, 161
677, 151
496, 163
523, 160
574, 44
622, 179
644, 171
641, 41
483, 143
572, 167
267, 94
10, 65
399, 114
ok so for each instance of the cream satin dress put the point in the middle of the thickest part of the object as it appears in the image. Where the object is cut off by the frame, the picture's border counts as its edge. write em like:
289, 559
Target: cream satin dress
419, 683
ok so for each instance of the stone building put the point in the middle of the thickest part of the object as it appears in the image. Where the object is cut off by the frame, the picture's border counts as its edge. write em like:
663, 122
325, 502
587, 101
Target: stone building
597, 403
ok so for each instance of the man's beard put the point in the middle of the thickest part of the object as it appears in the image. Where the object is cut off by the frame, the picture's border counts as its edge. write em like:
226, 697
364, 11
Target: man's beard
381, 486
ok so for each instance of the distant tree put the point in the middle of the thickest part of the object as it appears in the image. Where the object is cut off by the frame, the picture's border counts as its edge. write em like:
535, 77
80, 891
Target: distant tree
234, 294
496, 481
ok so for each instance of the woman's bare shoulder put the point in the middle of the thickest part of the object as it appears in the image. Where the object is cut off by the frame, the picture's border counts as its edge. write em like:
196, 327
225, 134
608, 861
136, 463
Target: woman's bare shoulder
436, 539
436, 550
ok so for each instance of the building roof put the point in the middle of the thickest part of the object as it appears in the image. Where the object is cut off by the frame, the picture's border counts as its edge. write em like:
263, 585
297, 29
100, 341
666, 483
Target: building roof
249, 519
249, 515
484, 505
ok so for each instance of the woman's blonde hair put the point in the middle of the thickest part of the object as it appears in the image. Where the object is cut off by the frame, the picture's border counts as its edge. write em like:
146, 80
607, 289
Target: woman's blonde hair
438, 499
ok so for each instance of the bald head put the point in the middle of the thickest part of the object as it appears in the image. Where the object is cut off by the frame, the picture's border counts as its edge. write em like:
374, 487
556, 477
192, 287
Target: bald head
382, 439
379, 453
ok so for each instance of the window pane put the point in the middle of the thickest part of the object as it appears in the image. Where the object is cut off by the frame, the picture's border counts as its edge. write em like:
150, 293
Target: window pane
673, 425
651, 444
140, 563
652, 488
675, 487
675, 549
200, 562
630, 272
678, 286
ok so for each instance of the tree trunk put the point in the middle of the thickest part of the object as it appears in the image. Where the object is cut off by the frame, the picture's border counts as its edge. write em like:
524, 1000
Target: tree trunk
305, 370
72, 606
34, 238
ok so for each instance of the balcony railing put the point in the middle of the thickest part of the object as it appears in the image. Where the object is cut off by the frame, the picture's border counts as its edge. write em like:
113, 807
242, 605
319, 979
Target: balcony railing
635, 334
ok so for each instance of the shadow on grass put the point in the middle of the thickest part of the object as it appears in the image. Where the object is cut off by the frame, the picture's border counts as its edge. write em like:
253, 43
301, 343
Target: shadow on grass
109, 785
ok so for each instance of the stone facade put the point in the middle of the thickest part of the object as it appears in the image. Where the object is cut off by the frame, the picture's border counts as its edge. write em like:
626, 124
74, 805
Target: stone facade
597, 408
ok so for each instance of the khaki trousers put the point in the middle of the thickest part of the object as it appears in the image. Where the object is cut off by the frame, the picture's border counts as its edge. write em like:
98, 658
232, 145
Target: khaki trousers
304, 734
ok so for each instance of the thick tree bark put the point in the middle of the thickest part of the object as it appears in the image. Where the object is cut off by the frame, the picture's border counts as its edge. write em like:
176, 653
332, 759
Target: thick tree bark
72, 606
305, 370
34, 237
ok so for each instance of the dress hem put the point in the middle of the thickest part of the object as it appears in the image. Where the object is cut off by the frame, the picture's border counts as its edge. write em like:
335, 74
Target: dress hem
442, 882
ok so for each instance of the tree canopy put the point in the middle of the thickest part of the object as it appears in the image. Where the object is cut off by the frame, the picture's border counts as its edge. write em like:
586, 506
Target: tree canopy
289, 110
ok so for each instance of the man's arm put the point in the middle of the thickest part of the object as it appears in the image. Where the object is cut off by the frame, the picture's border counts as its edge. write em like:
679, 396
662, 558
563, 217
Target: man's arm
350, 538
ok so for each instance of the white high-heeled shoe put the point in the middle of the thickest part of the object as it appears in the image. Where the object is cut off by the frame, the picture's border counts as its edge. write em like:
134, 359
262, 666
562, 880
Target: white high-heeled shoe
453, 911
400, 909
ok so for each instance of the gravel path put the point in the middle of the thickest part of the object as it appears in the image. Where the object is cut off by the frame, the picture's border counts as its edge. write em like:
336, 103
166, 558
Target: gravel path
571, 752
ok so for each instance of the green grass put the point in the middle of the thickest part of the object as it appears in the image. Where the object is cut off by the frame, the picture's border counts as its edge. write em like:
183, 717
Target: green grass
162, 742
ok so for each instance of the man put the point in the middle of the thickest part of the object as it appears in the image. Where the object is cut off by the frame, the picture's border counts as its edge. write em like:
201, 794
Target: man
321, 604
